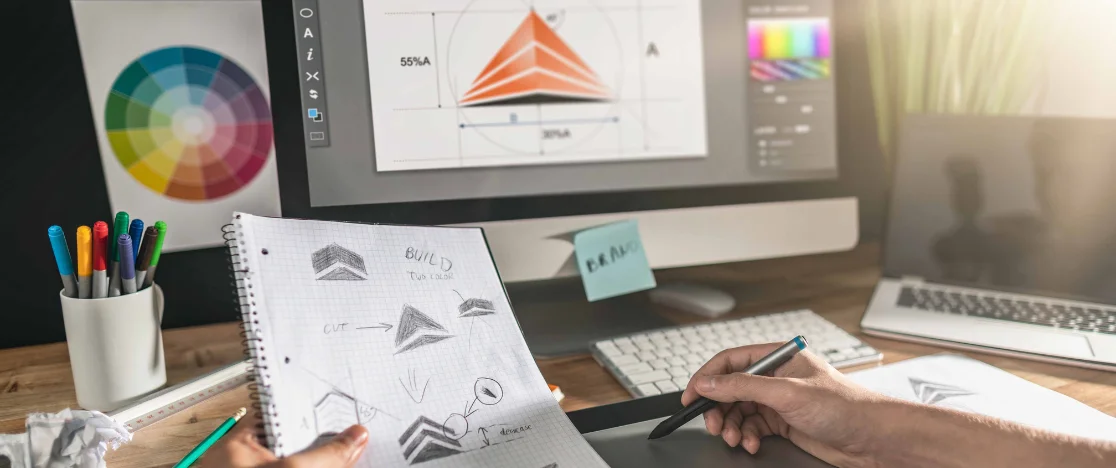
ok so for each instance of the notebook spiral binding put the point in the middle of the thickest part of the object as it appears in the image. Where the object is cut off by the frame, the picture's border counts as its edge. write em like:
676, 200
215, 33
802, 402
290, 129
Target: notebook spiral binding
250, 339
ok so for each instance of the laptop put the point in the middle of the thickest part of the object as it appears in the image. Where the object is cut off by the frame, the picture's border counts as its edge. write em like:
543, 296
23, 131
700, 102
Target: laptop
1001, 238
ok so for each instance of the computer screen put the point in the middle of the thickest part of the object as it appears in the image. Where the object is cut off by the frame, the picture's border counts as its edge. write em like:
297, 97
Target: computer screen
420, 100
1019, 203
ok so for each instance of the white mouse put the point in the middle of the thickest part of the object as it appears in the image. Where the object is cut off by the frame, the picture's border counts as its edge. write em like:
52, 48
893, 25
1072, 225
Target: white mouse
701, 300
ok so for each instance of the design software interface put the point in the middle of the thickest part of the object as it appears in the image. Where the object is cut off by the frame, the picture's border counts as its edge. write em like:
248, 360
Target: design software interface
414, 100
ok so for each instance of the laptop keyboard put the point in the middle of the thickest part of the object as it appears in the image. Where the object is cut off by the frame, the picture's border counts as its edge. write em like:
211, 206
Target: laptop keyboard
1051, 314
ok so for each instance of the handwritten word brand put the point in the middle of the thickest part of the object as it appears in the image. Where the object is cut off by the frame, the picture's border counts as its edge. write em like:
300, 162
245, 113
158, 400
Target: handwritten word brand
615, 253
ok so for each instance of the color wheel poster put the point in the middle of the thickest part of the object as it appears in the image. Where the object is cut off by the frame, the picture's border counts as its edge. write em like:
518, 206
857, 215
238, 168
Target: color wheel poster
179, 94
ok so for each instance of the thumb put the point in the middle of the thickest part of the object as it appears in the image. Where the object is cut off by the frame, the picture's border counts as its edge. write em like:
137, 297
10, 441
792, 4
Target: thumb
343, 451
776, 393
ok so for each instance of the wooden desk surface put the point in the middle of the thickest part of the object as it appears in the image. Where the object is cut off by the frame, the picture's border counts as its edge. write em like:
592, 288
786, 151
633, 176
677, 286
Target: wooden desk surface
836, 286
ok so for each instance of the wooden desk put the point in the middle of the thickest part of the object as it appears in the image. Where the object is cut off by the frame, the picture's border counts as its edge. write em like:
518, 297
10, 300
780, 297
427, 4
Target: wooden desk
836, 286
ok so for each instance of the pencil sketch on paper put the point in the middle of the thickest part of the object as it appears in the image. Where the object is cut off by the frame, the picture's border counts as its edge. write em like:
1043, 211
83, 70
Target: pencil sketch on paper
474, 306
425, 440
416, 330
412, 387
336, 263
932, 393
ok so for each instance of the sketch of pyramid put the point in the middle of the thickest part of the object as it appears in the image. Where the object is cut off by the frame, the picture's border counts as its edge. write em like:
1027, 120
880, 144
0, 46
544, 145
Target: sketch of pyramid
534, 66
475, 307
430, 436
416, 330
334, 413
342, 264
931, 392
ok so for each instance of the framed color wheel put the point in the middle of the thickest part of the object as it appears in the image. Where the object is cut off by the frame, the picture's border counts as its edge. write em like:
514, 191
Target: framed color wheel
188, 123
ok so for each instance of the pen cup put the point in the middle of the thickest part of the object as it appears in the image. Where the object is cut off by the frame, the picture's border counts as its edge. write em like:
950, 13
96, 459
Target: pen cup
116, 347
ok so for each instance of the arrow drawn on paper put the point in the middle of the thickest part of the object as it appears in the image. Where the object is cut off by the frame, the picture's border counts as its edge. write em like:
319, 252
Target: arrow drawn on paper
385, 326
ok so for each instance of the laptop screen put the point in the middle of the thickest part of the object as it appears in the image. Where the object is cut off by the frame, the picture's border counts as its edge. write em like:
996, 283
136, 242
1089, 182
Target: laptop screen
1021, 204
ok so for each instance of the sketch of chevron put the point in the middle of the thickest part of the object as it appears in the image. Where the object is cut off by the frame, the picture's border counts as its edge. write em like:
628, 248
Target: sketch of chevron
427, 442
349, 265
931, 392
475, 307
416, 330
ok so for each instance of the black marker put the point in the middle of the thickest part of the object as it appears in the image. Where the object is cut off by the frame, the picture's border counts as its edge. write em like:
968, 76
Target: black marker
701, 405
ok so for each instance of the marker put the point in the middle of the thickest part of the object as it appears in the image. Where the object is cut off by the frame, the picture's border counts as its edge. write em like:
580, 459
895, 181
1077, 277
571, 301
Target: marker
216, 435
100, 260
84, 262
701, 405
127, 265
143, 258
149, 278
120, 227
136, 232
62, 258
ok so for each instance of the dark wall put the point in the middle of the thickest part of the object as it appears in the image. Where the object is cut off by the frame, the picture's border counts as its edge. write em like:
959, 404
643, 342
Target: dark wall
51, 173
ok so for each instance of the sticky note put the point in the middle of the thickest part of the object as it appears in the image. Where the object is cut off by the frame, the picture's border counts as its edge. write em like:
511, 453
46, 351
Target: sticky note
612, 261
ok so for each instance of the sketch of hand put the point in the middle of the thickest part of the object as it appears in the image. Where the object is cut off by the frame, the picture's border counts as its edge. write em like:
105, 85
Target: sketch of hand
241, 449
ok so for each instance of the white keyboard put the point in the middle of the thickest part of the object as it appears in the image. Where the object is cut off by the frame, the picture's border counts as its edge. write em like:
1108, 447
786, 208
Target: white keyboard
662, 361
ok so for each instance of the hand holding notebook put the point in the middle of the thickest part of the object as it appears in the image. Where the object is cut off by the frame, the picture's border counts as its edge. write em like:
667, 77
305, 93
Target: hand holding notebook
406, 331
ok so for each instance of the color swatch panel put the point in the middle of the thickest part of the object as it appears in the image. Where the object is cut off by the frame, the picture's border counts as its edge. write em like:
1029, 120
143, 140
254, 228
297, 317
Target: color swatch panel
790, 38
188, 123
790, 70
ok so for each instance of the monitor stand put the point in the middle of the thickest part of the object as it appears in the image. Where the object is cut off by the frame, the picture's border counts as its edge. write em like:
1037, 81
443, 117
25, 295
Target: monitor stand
557, 320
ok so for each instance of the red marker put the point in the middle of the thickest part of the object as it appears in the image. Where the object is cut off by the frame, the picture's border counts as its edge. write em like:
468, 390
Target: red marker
100, 260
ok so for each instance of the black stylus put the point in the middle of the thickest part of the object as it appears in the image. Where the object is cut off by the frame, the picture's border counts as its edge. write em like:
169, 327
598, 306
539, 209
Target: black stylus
764, 365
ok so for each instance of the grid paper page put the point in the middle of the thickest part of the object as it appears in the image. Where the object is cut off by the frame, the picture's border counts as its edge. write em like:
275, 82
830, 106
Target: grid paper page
406, 331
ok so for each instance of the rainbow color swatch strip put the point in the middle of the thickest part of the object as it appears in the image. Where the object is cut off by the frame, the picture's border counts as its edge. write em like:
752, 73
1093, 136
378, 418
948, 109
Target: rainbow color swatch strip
791, 38
188, 123
789, 70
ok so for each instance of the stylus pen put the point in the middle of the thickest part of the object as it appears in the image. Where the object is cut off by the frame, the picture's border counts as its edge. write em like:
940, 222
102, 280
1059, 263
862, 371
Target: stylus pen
701, 405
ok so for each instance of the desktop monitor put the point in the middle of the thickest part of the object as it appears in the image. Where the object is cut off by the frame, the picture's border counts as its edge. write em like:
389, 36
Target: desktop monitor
712, 123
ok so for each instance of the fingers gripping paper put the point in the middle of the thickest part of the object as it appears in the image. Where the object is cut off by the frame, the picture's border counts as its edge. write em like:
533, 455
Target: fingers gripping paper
404, 330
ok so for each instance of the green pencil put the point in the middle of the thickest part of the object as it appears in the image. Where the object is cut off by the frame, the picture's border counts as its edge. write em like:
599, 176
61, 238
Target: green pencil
198, 451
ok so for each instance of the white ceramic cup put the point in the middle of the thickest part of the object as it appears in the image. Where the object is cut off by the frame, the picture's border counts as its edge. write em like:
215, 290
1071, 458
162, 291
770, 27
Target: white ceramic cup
116, 347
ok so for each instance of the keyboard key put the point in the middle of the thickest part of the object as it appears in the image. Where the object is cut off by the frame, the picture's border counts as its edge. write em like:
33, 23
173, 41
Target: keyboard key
649, 377
682, 382
628, 348
638, 368
646, 356
648, 390
678, 372
622, 341
666, 386
664, 352
623, 360
612, 352
676, 361
646, 346
603, 345
694, 359
659, 364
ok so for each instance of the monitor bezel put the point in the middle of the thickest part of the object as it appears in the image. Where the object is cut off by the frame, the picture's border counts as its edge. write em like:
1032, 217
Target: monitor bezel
294, 187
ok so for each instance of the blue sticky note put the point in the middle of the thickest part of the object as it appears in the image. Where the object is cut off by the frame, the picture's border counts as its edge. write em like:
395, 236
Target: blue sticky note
612, 261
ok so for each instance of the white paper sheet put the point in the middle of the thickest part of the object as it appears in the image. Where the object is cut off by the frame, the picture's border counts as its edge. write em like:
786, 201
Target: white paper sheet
966, 384
407, 331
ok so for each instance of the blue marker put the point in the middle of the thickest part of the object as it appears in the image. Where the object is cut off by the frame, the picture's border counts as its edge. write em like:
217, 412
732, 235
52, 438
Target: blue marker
127, 265
62, 257
136, 233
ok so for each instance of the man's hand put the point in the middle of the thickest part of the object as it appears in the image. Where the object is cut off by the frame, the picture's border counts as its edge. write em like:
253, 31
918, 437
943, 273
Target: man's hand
806, 401
240, 449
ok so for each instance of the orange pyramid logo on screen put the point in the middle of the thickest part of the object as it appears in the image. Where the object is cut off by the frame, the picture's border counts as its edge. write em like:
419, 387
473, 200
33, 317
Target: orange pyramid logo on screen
535, 66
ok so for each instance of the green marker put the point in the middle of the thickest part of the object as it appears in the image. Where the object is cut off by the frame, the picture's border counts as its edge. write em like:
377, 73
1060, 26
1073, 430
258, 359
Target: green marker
216, 435
149, 279
120, 226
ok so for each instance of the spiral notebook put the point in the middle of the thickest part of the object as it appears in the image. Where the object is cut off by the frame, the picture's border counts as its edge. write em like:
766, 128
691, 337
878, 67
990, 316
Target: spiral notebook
405, 330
